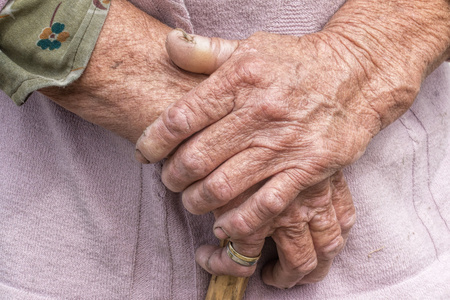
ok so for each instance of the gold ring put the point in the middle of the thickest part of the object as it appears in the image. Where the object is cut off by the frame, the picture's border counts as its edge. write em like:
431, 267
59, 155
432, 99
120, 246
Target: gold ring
239, 258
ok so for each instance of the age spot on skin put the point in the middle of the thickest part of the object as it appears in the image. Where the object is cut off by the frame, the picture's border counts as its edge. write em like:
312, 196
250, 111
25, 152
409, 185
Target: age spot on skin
116, 64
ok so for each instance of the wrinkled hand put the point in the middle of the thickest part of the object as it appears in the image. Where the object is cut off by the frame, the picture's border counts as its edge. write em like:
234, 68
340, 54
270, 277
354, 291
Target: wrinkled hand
129, 80
308, 235
293, 110
292, 120
284, 110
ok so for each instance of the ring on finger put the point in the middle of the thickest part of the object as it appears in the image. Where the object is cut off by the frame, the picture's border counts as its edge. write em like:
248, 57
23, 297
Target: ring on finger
240, 259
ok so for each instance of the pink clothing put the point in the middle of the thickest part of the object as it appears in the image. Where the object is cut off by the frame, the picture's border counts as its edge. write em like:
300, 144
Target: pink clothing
80, 219
2, 3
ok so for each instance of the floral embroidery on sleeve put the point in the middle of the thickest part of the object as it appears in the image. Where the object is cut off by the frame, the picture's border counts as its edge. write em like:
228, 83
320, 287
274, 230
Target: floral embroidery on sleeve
52, 37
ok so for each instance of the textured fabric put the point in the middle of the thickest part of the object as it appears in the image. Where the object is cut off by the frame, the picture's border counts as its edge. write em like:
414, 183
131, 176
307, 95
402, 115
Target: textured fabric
3, 3
79, 219
46, 43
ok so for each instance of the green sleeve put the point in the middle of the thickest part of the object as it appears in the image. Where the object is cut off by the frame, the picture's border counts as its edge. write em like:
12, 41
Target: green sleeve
46, 43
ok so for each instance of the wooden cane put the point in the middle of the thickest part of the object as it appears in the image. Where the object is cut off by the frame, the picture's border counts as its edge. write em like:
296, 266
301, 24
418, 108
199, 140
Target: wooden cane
225, 287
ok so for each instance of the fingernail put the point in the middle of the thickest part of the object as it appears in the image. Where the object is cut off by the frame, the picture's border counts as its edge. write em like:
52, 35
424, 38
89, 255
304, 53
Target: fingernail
140, 158
220, 233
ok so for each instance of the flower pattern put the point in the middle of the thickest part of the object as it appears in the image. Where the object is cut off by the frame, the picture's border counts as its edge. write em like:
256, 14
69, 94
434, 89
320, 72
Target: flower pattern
52, 37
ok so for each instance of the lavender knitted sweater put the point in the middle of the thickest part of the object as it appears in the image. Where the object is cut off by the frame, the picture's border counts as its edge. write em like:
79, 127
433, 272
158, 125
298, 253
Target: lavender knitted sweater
81, 222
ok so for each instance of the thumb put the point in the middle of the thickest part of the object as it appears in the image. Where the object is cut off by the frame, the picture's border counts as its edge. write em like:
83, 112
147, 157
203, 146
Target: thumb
197, 53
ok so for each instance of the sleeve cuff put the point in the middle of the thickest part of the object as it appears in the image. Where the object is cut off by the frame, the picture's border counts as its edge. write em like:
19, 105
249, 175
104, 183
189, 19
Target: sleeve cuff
46, 43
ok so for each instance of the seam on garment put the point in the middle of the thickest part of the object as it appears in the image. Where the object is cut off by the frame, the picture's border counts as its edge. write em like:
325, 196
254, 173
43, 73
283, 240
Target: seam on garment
413, 191
82, 38
138, 235
191, 238
428, 169
167, 233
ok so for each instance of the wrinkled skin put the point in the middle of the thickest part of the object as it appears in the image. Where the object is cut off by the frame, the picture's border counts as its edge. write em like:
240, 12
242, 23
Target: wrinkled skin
268, 129
308, 234
126, 89
129, 80
290, 112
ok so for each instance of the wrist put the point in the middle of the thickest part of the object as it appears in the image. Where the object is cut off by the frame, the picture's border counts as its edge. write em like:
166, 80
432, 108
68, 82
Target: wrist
397, 43
129, 79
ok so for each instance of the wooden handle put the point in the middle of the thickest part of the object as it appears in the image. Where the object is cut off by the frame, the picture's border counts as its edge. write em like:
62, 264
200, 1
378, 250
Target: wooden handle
225, 287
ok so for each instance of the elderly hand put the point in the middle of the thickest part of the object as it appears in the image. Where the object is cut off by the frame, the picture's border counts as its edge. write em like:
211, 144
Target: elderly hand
317, 222
261, 116
129, 80
291, 111
308, 235
292, 121
294, 110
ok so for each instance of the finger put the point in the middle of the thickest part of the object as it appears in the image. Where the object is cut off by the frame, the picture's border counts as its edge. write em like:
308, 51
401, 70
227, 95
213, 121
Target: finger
329, 229
328, 242
204, 152
343, 203
196, 53
229, 180
209, 102
268, 202
208, 149
296, 257
202, 106
241, 198
193, 162
216, 261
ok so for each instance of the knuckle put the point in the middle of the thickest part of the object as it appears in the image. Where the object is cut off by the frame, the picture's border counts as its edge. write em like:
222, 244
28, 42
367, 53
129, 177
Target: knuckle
176, 121
329, 251
347, 222
192, 164
324, 222
170, 179
307, 266
249, 69
242, 227
219, 188
183, 170
271, 203
273, 109
193, 205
